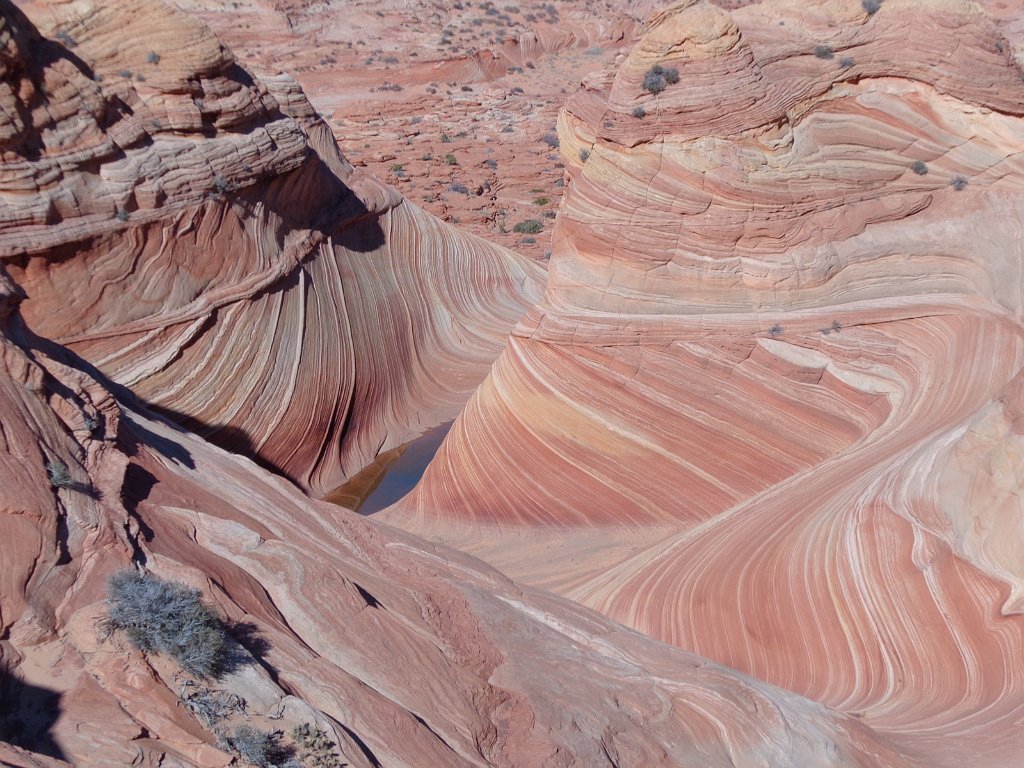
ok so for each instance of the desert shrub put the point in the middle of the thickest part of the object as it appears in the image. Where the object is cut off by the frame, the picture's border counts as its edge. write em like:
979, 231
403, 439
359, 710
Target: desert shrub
316, 750
528, 227
542, 201
59, 475
846, 62
122, 215
871, 6
528, 240
458, 187
639, 112
959, 183
654, 80
168, 617
658, 78
584, 155
397, 168
491, 163
775, 330
550, 139
257, 747
919, 167
153, 57
466, 89
211, 706
823, 51
450, 159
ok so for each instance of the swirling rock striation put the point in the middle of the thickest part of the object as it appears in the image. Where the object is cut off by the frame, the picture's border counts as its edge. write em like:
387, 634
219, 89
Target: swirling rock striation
768, 408
403, 653
193, 231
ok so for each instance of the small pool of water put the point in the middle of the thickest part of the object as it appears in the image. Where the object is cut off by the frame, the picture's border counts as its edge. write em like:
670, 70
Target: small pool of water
391, 475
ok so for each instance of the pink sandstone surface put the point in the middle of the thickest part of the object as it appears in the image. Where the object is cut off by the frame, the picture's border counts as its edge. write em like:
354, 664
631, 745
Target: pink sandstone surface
769, 407
195, 233
407, 654
766, 409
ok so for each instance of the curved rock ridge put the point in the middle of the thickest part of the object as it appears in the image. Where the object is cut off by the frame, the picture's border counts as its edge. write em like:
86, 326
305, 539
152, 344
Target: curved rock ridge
768, 407
193, 231
406, 654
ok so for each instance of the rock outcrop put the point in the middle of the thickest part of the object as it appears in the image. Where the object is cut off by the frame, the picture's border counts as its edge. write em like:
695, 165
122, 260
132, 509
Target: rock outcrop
403, 653
194, 232
768, 409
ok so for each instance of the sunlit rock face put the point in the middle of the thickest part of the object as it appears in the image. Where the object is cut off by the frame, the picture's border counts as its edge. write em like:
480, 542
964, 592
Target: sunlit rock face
126, 233
769, 407
193, 231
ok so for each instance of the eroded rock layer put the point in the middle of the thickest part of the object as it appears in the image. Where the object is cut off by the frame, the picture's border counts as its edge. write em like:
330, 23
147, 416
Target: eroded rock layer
768, 408
193, 231
403, 653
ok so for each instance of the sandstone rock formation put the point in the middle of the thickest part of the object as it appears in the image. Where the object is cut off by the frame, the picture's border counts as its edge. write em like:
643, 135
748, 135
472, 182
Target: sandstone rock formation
194, 232
405, 653
768, 409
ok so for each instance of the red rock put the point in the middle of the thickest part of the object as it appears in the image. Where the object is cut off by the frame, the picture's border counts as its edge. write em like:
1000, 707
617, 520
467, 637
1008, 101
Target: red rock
767, 408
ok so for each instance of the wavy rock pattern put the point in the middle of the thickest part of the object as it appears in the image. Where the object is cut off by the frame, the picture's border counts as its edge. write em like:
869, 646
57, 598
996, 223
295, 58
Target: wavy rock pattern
194, 232
769, 406
406, 654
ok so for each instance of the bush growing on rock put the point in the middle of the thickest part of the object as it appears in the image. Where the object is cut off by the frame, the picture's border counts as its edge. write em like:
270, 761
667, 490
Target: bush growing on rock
658, 78
528, 227
257, 747
639, 112
58, 473
168, 617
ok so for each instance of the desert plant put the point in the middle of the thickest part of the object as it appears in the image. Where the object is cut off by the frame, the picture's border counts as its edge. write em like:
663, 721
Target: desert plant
654, 80
450, 159
871, 6
168, 617
528, 227
639, 112
122, 215
846, 62
316, 750
823, 51
775, 330
542, 201
256, 747
584, 155
59, 475
919, 167
397, 167
210, 706
657, 78
959, 183
550, 139
458, 187
153, 57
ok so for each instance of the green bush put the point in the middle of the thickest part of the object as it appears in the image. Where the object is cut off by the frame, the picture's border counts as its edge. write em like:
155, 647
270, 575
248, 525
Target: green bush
528, 227
170, 618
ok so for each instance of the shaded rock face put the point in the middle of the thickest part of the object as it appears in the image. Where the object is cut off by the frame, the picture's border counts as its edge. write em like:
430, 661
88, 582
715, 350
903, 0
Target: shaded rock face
194, 232
404, 654
768, 408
